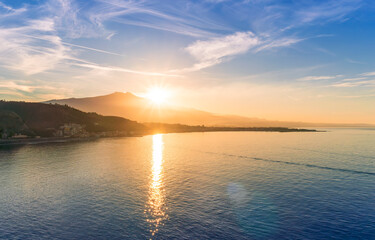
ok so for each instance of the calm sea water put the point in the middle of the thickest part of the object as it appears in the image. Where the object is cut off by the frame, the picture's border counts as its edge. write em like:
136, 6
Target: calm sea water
231, 185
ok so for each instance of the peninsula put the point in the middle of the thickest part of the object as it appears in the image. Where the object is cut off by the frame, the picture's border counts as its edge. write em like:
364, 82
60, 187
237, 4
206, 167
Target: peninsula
23, 122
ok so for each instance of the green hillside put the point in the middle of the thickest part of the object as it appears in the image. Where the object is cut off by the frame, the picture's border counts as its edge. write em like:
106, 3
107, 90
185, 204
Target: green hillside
45, 119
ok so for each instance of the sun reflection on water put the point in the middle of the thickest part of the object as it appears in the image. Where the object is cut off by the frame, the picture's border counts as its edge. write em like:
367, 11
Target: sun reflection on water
155, 209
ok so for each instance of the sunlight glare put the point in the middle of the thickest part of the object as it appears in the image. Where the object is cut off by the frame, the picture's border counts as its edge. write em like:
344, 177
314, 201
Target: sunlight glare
158, 95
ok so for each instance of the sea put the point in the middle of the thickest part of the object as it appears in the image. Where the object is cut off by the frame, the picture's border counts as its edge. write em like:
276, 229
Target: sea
215, 185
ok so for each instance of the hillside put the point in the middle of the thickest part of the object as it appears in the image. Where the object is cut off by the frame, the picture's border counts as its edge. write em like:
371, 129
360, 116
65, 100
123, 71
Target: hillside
12, 123
45, 119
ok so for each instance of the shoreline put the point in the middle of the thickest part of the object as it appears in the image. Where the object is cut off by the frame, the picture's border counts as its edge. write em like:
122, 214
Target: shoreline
31, 141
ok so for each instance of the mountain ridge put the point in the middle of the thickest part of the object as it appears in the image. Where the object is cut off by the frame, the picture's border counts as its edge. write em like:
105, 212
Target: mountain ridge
131, 106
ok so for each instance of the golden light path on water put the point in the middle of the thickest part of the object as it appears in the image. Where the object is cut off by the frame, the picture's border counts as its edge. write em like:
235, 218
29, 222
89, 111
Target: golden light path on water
155, 209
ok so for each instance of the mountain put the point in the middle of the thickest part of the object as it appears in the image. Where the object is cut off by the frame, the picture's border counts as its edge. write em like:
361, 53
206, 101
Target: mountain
46, 119
130, 106
140, 109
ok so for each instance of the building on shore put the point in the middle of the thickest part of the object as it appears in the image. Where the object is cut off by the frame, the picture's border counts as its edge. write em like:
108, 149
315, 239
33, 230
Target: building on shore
19, 136
71, 130
4, 135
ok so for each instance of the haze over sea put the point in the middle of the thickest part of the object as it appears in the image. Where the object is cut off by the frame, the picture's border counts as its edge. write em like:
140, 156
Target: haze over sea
229, 185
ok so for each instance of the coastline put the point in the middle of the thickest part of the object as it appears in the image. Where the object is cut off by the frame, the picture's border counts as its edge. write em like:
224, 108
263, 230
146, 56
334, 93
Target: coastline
27, 141
31, 141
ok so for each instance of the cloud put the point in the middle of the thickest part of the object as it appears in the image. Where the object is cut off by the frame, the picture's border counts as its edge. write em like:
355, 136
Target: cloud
8, 11
74, 45
328, 10
119, 69
359, 96
185, 18
32, 90
353, 79
214, 51
368, 74
16, 86
355, 84
284, 42
219, 39
73, 20
34, 46
317, 78
219, 49
29, 55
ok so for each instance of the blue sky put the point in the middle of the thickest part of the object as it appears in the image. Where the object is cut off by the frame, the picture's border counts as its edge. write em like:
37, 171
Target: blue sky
289, 60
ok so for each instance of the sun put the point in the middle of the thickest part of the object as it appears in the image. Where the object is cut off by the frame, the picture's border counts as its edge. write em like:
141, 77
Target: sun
158, 95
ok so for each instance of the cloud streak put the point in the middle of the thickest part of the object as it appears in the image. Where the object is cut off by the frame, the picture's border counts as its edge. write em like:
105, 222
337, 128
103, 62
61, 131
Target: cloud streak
35, 47
318, 78
28, 55
367, 74
355, 83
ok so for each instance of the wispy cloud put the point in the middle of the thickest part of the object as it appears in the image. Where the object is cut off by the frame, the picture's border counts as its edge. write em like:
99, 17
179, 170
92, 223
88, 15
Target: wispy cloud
355, 83
32, 90
8, 11
214, 51
217, 50
73, 45
317, 78
275, 43
353, 79
358, 96
125, 70
367, 74
328, 10
28, 55
34, 46
73, 20
215, 40
263, 16
185, 18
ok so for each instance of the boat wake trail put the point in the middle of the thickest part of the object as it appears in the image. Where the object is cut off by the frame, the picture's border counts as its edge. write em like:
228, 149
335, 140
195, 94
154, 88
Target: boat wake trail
331, 153
288, 162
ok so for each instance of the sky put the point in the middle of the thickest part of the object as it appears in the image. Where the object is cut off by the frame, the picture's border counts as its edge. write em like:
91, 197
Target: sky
295, 60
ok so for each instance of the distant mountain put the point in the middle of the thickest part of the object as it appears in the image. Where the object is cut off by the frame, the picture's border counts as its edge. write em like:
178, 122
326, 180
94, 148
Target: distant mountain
140, 109
45, 119
130, 106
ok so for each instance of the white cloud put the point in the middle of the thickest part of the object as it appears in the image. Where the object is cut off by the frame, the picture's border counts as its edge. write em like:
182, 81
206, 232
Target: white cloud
29, 55
214, 51
119, 69
284, 42
353, 79
178, 17
9, 11
35, 46
72, 20
31, 90
355, 84
368, 74
327, 10
317, 78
